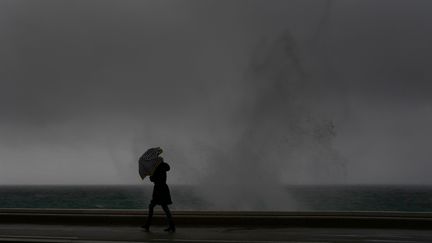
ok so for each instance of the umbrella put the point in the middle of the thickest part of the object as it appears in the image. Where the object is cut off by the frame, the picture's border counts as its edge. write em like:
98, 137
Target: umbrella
149, 161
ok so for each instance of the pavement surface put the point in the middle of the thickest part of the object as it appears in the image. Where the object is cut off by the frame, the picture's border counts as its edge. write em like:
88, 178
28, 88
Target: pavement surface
189, 234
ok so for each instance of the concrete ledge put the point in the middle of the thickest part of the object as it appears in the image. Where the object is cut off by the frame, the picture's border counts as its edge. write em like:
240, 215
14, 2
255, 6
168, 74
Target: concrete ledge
221, 218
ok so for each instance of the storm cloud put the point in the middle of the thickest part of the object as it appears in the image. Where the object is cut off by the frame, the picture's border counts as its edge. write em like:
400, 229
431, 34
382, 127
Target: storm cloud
277, 92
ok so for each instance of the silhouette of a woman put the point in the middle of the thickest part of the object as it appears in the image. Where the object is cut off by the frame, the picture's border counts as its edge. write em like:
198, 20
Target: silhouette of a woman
161, 195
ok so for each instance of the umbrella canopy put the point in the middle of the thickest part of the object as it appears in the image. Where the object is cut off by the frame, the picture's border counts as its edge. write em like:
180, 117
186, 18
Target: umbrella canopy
149, 161
152, 153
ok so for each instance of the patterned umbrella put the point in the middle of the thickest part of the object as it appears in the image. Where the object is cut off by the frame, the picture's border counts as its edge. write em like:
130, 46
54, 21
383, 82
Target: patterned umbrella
149, 161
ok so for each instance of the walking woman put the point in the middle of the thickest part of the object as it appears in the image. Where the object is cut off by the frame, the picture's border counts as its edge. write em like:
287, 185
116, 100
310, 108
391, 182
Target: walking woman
161, 195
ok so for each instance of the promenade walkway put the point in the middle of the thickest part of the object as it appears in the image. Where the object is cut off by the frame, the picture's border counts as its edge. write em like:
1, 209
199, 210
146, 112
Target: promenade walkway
86, 226
88, 234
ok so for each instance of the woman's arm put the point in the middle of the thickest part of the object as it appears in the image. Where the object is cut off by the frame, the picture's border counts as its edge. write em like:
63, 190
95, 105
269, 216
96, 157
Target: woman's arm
167, 167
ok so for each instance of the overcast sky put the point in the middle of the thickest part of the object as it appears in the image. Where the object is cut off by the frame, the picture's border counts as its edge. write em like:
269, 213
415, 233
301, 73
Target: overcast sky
290, 91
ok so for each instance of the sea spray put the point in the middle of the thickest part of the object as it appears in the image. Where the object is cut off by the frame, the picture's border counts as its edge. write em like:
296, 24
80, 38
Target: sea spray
284, 138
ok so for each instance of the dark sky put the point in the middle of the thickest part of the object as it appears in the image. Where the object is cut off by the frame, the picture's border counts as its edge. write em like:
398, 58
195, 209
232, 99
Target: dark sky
275, 91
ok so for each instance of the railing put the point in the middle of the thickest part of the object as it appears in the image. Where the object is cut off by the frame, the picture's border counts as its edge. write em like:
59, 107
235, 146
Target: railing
229, 218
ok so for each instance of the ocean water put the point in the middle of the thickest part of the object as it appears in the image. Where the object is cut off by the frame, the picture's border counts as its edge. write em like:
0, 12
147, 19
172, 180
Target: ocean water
306, 198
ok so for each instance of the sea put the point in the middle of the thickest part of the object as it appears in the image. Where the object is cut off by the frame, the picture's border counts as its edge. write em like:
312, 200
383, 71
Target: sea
305, 198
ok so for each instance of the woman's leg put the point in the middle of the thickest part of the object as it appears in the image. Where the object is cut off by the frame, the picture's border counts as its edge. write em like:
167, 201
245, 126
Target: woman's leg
169, 218
149, 216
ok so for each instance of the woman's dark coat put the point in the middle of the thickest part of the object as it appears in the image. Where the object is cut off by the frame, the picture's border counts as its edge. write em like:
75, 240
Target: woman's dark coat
161, 193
